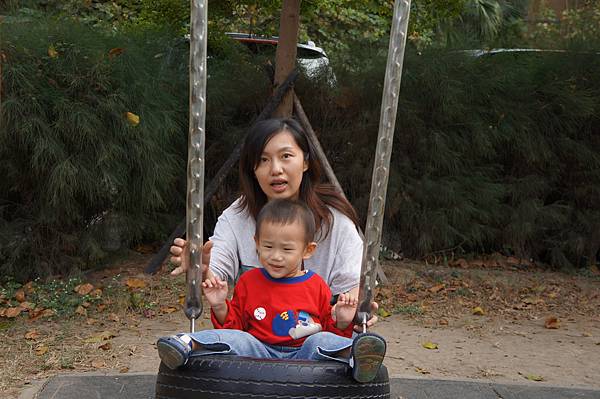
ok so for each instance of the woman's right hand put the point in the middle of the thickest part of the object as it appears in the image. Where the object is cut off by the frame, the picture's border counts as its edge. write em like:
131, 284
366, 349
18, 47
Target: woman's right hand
180, 256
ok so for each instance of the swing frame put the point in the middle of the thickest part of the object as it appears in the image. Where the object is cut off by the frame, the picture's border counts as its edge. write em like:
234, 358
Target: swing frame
268, 378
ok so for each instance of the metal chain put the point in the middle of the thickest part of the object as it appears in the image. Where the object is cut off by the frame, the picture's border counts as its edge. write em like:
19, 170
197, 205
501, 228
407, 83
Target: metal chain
387, 121
195, 167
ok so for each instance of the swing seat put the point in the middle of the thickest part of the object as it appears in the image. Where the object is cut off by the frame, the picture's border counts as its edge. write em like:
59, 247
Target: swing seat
227, 377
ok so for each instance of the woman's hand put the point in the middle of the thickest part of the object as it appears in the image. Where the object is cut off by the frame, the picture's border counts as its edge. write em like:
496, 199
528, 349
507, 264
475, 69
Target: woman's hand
371, 322
181, 257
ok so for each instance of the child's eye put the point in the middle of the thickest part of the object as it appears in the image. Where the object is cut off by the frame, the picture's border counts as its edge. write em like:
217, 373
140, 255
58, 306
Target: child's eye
267, 246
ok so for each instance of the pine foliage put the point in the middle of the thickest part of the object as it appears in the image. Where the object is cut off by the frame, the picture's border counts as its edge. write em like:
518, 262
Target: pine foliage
493, 153
79, 178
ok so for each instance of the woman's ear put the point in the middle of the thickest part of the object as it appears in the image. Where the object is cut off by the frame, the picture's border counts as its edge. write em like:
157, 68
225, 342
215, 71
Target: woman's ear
309, 250
305, 166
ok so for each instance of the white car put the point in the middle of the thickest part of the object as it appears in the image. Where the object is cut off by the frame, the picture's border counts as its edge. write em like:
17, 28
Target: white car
311, 58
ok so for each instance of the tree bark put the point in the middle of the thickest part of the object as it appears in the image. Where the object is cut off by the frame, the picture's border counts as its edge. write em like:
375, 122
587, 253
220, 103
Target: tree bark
285, 57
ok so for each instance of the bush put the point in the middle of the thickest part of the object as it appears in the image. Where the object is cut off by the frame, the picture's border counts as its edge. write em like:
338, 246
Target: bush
491, 154
81, 177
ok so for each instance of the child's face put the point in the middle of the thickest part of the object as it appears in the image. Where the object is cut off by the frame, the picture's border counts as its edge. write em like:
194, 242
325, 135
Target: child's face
281, 248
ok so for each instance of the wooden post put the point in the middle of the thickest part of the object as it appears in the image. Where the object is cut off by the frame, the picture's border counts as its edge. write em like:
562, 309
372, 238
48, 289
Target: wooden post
285, 57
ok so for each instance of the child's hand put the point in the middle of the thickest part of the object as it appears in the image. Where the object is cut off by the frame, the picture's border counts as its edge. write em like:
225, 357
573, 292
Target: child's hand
215, 291
345, 309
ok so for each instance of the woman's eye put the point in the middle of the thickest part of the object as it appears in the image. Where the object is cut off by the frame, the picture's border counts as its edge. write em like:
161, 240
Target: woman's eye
285, 156
263, 160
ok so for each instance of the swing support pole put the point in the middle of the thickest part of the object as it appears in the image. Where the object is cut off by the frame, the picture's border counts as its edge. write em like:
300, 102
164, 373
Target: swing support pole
379, 182
195, 166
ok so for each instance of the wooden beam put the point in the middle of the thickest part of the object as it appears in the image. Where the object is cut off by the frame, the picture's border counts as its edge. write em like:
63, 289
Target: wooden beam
211, 189
285, 57
312, 136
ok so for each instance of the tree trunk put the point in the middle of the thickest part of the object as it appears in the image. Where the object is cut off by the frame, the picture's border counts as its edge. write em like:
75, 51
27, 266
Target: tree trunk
285, 57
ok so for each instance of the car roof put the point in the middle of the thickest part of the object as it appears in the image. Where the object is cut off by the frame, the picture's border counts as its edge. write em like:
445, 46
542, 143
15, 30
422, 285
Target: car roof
273, 40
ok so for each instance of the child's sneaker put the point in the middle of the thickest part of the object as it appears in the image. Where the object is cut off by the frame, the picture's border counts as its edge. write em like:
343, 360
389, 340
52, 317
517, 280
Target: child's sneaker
175, 350
368, 351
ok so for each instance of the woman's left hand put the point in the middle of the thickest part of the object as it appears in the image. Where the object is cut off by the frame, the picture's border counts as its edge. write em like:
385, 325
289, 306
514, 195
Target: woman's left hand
372, 321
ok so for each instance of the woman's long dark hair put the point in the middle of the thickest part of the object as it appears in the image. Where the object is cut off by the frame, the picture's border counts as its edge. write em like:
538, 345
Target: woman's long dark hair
317, 195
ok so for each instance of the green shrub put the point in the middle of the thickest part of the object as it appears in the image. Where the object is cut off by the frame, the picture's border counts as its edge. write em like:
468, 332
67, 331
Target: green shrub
81, 179
498, 153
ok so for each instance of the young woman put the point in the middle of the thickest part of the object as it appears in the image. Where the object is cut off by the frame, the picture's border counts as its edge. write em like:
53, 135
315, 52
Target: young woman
278, 161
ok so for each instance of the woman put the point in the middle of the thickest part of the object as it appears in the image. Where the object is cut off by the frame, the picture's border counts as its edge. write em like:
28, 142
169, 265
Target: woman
278, 161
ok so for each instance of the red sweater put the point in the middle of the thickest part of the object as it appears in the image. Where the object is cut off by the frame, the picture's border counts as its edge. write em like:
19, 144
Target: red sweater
280, 311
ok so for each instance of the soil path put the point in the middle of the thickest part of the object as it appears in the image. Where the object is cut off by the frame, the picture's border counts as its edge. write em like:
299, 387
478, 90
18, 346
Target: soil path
499, 324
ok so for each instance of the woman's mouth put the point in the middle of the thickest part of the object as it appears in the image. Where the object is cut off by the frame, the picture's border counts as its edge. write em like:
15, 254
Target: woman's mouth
279, 186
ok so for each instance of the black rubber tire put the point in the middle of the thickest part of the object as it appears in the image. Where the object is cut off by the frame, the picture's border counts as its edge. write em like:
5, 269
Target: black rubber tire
227, 377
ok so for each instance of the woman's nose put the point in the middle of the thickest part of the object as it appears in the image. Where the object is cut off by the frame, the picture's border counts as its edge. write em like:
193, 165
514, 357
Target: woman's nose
276, 167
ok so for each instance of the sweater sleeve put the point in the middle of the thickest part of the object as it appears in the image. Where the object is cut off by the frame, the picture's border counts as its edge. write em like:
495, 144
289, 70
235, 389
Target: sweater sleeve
224, 260
235, 310
327, 321
348, 248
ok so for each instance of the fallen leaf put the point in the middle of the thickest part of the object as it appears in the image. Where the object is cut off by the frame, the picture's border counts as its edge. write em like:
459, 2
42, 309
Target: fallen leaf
91, 322
422, 371
32, 335
123, 370
81, 311
552, 323
48, 313
29, 288
35, 313
41, 350
411, 297
533, 377
12, 312
52, 53
478, 311
84, 289
113, 52
383, 313
586, 334
27, 306
443, 322
135, 283
101, 307
86, 304
132, 118
181, 299
430, 345
149, 313
20, 295
106, 346
437, 288
97, 293
98, 363
171, 309
113, 317
103, 336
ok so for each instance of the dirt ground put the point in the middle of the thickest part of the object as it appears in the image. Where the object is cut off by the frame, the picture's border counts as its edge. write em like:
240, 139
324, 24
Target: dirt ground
497, 322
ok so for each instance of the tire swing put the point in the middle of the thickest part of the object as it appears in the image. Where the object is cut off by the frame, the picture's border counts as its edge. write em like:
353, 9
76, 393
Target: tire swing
225, 377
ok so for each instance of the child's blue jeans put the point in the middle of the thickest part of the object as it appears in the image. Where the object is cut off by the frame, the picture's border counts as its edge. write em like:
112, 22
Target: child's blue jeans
319, 346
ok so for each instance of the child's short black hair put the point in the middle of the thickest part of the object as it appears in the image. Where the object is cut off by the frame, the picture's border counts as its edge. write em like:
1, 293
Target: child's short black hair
287, 211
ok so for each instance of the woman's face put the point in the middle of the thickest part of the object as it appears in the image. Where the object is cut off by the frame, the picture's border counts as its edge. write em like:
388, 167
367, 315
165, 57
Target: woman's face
280, 168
